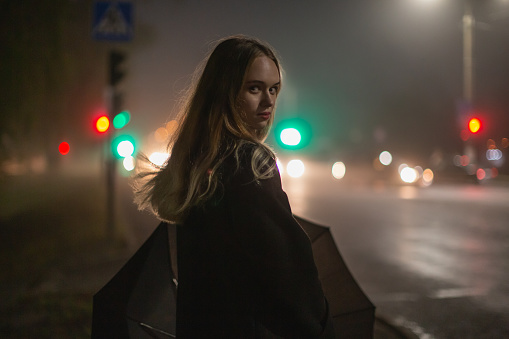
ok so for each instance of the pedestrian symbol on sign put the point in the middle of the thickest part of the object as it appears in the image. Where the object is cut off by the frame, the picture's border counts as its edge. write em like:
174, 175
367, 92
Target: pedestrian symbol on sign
113, 21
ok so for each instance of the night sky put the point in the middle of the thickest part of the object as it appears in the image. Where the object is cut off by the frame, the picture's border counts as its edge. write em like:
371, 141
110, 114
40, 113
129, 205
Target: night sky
366, 74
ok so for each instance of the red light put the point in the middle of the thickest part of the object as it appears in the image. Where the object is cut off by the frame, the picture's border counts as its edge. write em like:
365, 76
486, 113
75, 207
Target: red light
474, 125
102, 124
64, 148
465, 160
481, 174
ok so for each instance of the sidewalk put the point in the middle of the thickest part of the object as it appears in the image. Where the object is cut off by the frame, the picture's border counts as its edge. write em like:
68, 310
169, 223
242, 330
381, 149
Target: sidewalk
386, 329
56, 257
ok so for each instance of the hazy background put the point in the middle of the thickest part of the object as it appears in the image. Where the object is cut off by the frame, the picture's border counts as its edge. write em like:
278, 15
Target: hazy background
367, 75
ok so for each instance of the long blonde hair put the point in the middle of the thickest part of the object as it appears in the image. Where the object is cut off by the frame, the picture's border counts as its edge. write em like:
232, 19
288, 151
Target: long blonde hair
211, 128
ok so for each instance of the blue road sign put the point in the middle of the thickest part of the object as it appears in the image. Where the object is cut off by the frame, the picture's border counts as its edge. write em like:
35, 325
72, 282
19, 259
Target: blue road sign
113, 21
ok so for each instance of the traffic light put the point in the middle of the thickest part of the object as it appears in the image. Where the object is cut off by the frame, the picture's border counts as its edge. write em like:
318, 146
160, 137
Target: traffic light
474, 125
121, 119
293, 133
123, 146
117, 71
64, 148
102, 124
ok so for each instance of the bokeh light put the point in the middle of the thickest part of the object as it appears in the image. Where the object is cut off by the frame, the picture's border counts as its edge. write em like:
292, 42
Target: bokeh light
419, 170
401, 167
125, 148
64, 148
121, 119
295, 168
102, 124
474, 125
385, 158
171, 126
494, 154
290, 136
461, 160
128, 163
158, 158
481, 174
427, 177
505, 142
409, 175
338, 170
161, 134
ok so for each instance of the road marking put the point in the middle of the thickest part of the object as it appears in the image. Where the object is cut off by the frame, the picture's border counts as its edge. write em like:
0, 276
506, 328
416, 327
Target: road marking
398, 296
448, 293
413, 327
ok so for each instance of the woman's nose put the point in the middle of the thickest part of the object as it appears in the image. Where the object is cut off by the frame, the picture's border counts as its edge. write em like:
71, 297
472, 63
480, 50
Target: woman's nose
267, 100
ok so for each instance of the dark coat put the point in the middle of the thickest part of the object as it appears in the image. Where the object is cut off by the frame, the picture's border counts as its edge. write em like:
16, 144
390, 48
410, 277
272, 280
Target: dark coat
245, 265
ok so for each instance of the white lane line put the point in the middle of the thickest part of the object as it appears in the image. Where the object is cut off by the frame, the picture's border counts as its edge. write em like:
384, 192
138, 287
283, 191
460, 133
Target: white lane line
414, 327
448, 293
397, 296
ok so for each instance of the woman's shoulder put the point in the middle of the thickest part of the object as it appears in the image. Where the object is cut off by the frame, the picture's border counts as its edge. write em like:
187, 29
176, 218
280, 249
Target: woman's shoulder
250, 163
248, 150
257, 157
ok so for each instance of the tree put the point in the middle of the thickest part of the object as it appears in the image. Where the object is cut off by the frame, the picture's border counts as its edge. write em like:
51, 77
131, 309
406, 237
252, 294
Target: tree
52, 73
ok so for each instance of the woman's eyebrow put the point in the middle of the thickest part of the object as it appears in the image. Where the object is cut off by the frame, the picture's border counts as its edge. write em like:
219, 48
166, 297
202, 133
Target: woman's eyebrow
261, 82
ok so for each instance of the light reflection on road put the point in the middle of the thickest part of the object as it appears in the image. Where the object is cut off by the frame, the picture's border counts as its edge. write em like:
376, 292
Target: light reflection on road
450, 239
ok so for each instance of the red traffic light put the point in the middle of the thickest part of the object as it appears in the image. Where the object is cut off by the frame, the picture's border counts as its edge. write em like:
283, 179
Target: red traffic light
102, 124
64, 148
474, 125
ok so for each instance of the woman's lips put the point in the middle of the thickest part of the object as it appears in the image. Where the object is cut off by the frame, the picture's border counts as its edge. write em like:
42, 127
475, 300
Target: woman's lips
264, 115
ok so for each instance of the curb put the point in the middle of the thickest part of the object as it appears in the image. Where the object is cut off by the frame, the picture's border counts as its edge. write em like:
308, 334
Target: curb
387, 328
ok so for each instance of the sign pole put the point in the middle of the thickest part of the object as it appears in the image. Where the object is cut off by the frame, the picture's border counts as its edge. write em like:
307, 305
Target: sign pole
111, 165
113, 21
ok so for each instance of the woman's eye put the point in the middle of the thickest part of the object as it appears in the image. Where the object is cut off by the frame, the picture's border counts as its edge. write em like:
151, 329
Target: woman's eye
254, 89
273, 90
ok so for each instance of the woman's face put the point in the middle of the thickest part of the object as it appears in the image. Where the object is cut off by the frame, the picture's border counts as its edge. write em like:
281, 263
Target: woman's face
259, 92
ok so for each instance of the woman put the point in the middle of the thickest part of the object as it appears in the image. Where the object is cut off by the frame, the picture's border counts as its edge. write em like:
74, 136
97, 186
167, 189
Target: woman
245, 266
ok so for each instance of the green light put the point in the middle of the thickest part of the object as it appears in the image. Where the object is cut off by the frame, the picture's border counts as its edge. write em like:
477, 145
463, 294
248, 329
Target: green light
121, 119
123, 146
293, 133
290, 137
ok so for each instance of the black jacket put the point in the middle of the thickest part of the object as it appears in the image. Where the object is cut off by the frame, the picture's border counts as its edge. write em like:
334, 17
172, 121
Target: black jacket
245, 265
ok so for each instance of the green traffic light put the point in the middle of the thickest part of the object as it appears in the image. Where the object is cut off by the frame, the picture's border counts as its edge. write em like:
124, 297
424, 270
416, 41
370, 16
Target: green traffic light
123, 146
293, 134
290, 137
121, 119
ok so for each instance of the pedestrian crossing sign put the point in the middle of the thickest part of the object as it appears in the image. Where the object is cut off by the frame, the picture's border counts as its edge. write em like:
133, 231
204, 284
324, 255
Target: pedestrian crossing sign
113, 21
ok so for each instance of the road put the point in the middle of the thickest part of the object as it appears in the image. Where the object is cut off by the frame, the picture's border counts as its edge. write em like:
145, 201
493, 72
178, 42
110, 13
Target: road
433, 260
